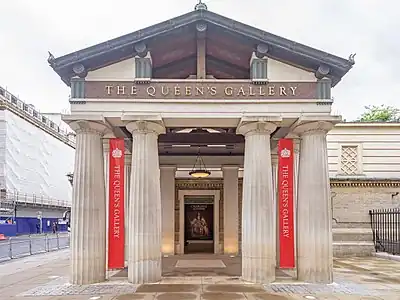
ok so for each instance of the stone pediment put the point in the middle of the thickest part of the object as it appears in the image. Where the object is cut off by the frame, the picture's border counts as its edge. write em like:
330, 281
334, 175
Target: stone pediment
230, 46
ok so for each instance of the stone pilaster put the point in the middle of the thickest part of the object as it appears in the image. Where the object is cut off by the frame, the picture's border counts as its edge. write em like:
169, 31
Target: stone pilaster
231, 209
314, 220
144, 260
143, 63
259, 65
258, 208
167, 182
127, 172
88, 212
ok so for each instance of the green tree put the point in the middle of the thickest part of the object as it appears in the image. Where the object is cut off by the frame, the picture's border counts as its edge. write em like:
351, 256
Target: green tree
382, 113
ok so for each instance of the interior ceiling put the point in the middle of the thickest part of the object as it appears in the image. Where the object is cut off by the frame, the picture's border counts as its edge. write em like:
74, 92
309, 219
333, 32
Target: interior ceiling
227, 55
205, 141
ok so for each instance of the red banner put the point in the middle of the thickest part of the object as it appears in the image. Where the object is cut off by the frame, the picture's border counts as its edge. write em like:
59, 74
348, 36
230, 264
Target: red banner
116, 240
286, 209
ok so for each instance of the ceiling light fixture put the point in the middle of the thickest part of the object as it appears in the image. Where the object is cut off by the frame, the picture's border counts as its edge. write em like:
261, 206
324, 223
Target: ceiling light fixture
199, 169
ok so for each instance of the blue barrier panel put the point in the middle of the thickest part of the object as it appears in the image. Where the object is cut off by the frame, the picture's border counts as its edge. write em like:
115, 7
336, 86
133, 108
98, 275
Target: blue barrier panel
8, 229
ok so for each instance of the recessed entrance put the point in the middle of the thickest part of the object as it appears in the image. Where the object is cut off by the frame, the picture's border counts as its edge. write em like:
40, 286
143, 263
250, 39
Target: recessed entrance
199, 224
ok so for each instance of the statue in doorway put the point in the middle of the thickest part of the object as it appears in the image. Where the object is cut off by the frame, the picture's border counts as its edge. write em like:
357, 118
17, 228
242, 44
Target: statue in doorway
199, 226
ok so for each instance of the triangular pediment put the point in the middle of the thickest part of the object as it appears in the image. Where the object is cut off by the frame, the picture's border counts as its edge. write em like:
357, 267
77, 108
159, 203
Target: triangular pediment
230, 46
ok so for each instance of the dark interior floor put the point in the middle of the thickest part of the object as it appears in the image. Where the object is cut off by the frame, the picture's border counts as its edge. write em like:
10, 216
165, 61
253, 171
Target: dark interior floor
233, 267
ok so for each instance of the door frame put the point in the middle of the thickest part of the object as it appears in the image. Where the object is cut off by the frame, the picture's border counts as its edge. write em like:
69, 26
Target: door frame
181, 198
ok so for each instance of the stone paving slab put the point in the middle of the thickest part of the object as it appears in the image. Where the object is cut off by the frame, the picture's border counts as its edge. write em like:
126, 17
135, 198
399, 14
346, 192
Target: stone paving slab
45, 278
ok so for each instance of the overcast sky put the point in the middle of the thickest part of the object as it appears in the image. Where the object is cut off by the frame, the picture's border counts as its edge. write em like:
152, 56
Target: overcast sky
28, 29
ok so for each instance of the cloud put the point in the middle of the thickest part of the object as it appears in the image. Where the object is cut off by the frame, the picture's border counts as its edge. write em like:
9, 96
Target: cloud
30, 28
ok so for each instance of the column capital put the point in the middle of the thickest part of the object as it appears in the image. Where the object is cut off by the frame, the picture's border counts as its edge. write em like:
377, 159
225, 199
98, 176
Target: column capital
256, 128
168, 167
230, 167
87, 126
143, 127
313, 127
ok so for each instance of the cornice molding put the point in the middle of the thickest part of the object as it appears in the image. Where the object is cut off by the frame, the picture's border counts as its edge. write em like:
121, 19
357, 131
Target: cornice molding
217, 183
365, 183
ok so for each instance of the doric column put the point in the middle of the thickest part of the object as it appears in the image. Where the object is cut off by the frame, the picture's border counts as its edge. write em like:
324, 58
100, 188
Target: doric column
258, 210
144, 260
314, 220
127, 172
88, 217
231, 209
167, 182
274, 160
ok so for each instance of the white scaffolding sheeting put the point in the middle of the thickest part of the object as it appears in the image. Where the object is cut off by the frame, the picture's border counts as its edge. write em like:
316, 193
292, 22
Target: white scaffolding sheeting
36, 163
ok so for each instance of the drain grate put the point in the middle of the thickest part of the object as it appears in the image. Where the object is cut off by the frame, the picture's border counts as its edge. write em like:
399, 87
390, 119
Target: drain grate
60, 287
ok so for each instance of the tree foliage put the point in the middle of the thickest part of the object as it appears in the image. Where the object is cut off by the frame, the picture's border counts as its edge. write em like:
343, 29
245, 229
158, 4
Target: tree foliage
381, 113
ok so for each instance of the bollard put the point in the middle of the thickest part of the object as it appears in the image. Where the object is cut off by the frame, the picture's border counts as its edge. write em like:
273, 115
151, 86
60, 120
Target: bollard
46, 238
10, 248
58, 242
30, 245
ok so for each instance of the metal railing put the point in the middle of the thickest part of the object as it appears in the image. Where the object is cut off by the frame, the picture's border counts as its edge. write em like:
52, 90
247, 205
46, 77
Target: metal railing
385, 225
21, 246
8, 200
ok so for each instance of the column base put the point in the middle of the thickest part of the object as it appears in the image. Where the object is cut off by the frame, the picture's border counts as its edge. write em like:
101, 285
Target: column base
316, 273
146, 271
258, 270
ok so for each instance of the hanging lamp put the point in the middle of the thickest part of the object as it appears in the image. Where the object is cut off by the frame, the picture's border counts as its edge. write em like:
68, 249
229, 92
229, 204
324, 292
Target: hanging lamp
199, 169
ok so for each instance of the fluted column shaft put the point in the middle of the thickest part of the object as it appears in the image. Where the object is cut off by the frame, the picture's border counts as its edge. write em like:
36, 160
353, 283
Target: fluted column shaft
231, 209
144, 260
258, 228
314, 220
88, 215
127, 172
167, 181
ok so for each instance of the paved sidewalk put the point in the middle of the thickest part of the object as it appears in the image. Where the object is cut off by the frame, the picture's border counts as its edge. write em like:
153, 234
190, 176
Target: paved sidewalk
44, 277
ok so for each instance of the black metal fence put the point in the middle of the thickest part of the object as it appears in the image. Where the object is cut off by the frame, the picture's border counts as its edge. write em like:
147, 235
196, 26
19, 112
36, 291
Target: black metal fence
385, 225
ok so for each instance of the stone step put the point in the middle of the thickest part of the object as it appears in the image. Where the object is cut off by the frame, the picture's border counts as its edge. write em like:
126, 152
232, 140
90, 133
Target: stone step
344, 249
352, 234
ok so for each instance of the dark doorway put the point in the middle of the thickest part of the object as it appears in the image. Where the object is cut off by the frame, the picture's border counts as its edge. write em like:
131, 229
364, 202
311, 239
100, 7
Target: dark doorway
199, 225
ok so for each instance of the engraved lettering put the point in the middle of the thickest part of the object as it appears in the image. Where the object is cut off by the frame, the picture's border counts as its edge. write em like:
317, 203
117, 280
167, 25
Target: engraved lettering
109, 89
151, 91
228, 91
133, 90
120, 90
199, 91
251, 92
271, 90
241, 92
164, 90
213, 90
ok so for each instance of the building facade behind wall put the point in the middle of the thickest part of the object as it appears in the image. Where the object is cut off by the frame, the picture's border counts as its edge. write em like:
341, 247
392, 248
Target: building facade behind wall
36, 154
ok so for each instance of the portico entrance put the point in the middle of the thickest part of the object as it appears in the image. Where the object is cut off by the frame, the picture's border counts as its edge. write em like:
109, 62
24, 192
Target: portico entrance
201, 82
